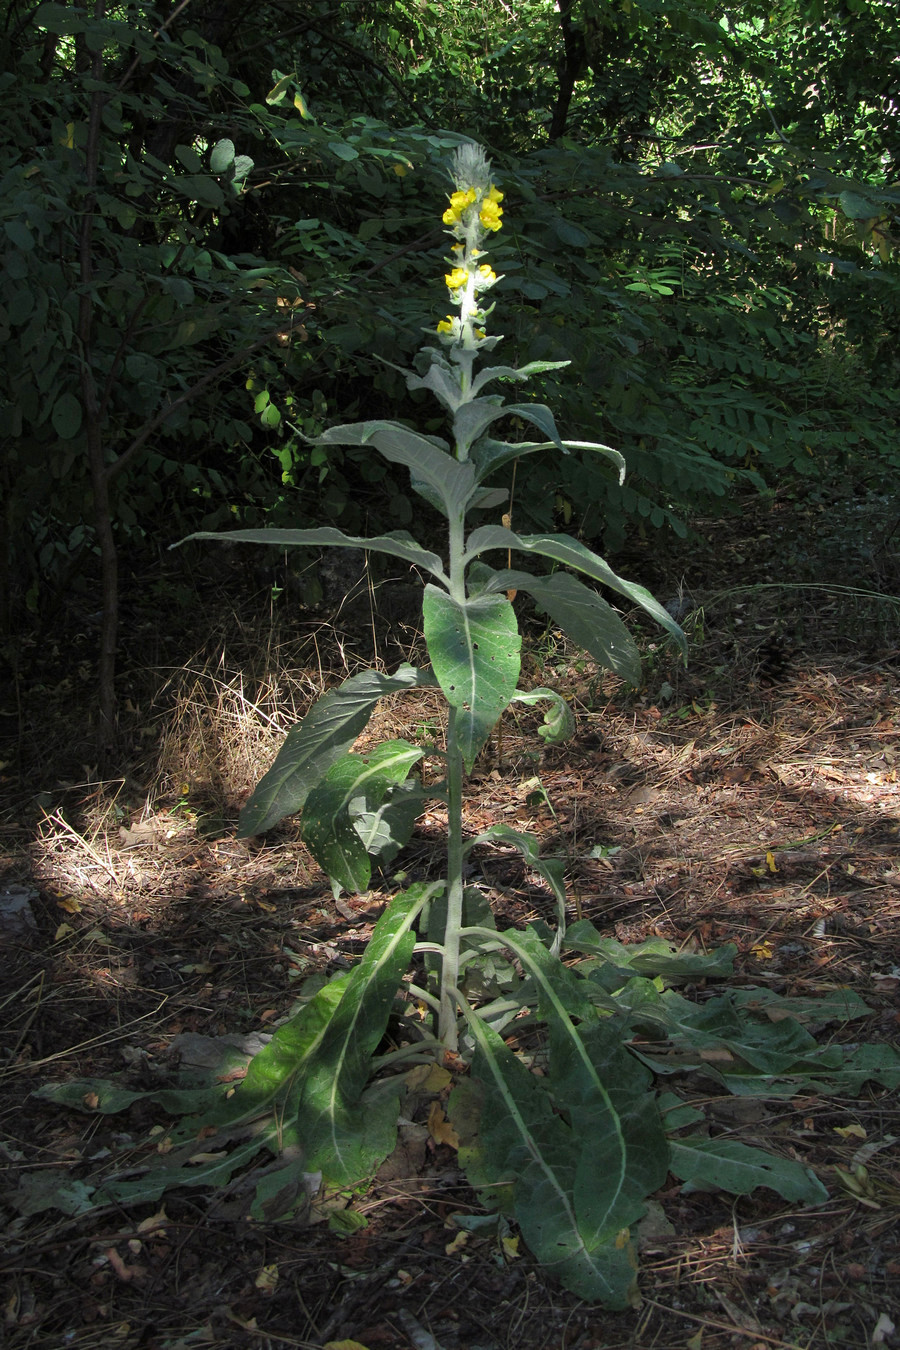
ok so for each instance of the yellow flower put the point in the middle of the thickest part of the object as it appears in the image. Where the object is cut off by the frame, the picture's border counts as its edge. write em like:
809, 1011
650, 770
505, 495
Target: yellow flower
486, 274
480, 333
457, 278
490, 215
494, 195
446, 325
459, 202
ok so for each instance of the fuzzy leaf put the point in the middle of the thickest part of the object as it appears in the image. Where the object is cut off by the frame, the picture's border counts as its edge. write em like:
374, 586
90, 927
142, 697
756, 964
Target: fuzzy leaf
450, 483
571, 553
584, 616
474, 649
550, 1176
345, 1133
328, 827
398, 543
652, 957
326, 732
559, 720
488, 455
726, 1164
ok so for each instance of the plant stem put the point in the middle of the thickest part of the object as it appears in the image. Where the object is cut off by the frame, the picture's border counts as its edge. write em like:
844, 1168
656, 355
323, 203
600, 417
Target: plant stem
447, 1024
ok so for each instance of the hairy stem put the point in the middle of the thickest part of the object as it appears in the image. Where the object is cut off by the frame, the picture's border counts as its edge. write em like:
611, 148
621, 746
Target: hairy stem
447, 1026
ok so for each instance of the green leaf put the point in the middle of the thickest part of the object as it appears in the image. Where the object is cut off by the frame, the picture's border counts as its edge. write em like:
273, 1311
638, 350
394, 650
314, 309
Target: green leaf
511, 373
328, 828
20, 234
584, 616
857, 207
488, 455
652, 957
66, 417
387, 828
726, 1164
571, 553
551, 869
221, 156
199, 188
835, 1005
572, 1207
398, 543
346, 1133
326, 732
474, 648
450, 483
559, 720
188, 157
343, 150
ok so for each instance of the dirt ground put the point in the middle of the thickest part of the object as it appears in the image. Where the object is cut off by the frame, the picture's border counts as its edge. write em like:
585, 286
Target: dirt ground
753, 798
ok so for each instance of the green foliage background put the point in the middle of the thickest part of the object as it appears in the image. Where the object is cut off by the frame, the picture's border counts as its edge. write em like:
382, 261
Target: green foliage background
209, 226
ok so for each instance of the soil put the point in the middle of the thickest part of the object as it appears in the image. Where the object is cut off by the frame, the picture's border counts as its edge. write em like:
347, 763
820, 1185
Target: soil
752, 798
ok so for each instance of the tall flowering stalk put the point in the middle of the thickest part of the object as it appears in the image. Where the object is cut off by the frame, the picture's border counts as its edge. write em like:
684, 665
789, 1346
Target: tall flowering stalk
570, 1156
356, 807
474, 212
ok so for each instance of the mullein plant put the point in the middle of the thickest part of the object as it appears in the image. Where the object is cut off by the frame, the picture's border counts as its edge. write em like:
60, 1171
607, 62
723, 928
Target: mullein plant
571, 1154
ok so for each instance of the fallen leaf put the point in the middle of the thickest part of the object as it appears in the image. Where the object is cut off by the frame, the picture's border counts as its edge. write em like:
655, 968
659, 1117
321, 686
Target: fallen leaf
123, 1271
457, 1244
884, 1328
267, 1278
439, 1127
850, 1131
510, 1247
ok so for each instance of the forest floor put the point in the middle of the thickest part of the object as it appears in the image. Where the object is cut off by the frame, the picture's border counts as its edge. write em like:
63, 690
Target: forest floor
752, 799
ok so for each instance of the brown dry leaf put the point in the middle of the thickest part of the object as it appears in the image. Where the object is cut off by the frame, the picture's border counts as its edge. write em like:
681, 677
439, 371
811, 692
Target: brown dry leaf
69, 905
156, 1223
439, 1127
90, 1101
123, 1271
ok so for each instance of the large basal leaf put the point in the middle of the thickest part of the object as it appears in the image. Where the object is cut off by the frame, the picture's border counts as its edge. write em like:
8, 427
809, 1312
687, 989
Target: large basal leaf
263, 1104
571, 553
328, 827
654, 956
327, 731
728, 1165
450, 483
584, 616
835, 1070
398, 543
344, 1134
604, 1092
474, 648
521, 1154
